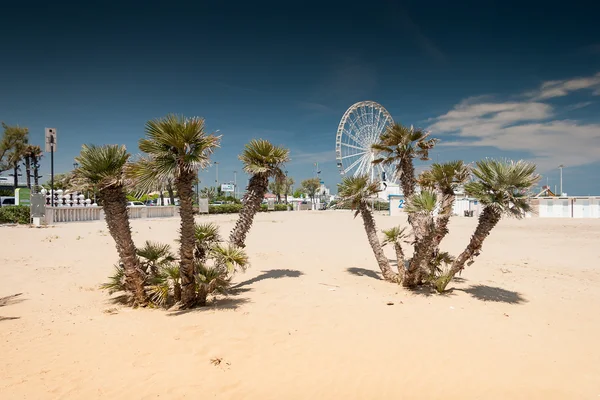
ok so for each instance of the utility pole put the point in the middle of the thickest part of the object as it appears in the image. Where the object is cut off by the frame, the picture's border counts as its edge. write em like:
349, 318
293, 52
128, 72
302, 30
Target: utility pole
50, 136
561, 166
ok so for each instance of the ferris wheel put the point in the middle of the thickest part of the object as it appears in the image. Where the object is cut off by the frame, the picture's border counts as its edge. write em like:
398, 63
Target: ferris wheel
359, 128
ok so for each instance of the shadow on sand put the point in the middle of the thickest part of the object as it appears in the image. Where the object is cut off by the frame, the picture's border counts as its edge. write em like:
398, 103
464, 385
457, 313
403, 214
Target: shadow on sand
271, 274
8, 300
495, 294
224, 304
364, 272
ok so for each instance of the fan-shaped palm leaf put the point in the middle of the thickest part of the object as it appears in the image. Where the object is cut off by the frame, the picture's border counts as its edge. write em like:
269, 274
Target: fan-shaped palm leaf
394, 235
356, 190
229, 256
116, 282
101, 166
262, 157
424, 202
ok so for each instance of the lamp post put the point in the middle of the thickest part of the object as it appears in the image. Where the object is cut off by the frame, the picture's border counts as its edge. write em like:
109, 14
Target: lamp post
235, 184
560, 167
75, 165
217, 175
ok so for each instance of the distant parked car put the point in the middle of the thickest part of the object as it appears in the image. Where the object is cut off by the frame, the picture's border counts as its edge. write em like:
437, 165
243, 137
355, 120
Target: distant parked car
7, 201
135, 204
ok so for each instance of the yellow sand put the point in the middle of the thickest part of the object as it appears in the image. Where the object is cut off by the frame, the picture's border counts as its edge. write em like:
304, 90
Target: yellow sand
524, 323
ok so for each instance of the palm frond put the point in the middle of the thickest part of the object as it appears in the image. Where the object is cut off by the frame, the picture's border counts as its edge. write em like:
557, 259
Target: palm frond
116, 282
503, 185
262, 157
423, 202
156, 253
207, 233
230, 256
393, 235
212, 278
356, 190
101, 166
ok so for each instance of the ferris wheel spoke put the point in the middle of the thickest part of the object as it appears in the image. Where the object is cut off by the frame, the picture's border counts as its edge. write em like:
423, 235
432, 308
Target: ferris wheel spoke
351, 136
352, 165
353, 155
354, 147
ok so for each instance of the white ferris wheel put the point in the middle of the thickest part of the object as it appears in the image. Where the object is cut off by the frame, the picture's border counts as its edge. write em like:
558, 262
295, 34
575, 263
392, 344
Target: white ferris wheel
359, 128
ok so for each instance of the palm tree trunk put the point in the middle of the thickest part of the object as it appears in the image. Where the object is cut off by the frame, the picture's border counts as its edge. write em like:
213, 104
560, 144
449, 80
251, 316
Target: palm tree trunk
34, 161
187, 239
488, 219
16, 176
423, 250
441, 223
399, 255
371, 230
117, 219
257, 187
162, 198
28, 170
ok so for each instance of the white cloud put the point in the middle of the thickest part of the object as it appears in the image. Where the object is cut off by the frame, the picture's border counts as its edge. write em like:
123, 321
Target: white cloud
530, 126
562, 88
311, 158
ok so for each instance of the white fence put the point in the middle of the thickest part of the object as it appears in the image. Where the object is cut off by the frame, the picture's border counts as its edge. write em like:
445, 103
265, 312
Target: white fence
80, 214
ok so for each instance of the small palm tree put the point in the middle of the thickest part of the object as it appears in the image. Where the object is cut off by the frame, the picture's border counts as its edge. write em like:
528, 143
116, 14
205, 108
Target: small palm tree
502, 187
177, 148
398, 146
356, 192
102, 168
155, 255
395, 236
207, 236
262, 160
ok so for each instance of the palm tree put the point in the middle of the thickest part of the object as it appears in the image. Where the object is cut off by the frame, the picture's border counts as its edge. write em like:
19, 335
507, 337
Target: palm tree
262, 160
102, 168
177, 147
502, 188
398, 146
27, 158
395, 236
356, 193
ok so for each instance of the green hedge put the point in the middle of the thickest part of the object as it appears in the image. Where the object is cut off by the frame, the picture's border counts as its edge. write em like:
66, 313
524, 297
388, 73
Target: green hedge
236, 208
14, 215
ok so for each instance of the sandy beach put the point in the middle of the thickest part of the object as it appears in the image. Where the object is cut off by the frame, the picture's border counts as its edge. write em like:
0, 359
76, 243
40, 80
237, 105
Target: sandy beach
310, 319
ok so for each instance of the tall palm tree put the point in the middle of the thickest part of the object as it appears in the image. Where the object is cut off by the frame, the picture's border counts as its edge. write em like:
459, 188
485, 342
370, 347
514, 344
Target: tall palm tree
398, 145
30, 156
177, 147
502, 187
356, 193
102, 168
289, 183
262, 160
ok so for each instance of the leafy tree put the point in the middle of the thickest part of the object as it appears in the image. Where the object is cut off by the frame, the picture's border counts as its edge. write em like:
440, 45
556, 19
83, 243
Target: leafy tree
13, 147
176, 148
277, 187
298, 193
311, 187
102, 167
288, 184
262, 160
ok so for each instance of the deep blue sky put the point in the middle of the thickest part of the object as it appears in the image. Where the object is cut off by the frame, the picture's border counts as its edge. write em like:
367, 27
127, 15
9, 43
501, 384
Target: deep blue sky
287, 72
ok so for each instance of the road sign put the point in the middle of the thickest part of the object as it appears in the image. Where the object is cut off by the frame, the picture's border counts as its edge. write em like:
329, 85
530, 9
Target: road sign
227, 187
50, 139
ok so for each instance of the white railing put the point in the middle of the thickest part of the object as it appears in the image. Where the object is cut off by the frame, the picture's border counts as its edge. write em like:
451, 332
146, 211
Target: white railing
94, 213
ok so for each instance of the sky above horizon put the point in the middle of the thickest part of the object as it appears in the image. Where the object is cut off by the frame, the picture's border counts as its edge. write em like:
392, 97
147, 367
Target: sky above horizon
490, 79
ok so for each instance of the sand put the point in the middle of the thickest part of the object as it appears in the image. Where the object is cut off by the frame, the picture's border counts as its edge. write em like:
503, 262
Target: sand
309, 320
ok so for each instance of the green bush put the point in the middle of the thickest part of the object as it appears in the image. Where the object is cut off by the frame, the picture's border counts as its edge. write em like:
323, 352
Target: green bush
15, 215
236, 208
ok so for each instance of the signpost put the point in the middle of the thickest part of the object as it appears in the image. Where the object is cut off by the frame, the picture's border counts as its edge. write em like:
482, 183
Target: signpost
227, 187
51, 147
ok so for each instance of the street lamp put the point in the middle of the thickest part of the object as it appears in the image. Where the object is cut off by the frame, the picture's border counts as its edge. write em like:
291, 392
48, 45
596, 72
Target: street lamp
217, 175
75, 165
235, 184
560, 167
